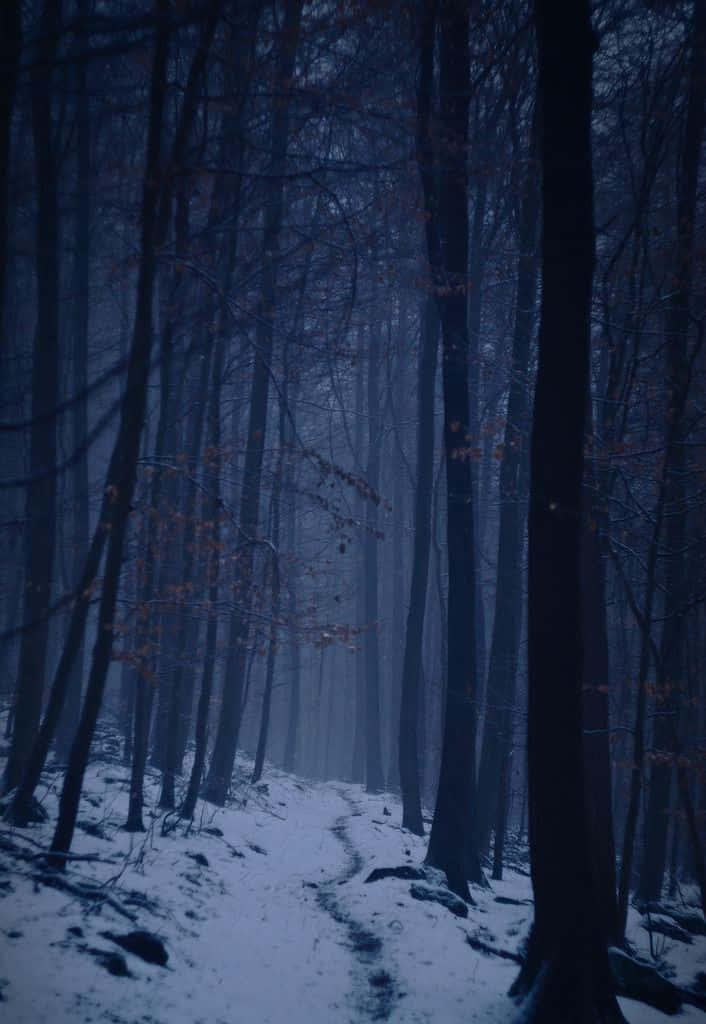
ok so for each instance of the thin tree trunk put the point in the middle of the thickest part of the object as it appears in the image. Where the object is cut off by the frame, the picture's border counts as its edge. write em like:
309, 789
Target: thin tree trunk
40, 508
452, 841
409, 746
358, 766
122, 473
10, 44
671, 662
80, 538
223, 758
214, 442
507, 619
374, 781
275, 603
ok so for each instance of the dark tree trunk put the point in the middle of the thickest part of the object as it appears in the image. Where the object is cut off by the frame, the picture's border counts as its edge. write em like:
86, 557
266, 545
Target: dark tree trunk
80, 529
275, 602
452, 841
671, 664
40, 508
412, 662
10, 43
595, 710
214, 442
358, 766
223, 758
507, 619
294, 709
566, 975
374, 781
122, 472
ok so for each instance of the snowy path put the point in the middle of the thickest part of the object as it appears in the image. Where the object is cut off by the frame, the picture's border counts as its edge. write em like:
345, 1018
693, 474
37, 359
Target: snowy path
266, 916
374, 987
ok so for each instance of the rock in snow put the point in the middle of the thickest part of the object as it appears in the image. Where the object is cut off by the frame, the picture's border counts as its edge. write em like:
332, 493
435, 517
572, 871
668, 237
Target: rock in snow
436, 894
144, 944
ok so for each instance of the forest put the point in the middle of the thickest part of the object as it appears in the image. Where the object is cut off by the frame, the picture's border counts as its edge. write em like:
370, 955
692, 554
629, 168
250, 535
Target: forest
352, 529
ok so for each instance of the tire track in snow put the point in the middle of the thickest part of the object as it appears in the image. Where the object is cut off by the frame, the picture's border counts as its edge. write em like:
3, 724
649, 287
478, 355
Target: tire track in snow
375, 991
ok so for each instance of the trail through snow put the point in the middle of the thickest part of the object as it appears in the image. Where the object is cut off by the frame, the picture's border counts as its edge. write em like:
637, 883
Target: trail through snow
265, 914
374, 987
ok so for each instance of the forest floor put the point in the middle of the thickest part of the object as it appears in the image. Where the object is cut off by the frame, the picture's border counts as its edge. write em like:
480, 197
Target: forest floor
265, 916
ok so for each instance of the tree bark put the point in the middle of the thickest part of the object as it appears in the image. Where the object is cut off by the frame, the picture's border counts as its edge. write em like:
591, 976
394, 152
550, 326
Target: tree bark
223, 758
452, 841
40, 508
507, 619
80, 531
671, 663
122, 472
566, 975
374, 780
412, 660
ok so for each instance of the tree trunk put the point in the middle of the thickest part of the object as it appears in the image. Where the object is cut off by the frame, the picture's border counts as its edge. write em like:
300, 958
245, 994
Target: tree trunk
671, 663
223, 758
452, 841
122, 472
566, 974
214, 442
412, 663
358, 766
10, 43
374, 781
275, 602
80, 538
40, 509
507, 619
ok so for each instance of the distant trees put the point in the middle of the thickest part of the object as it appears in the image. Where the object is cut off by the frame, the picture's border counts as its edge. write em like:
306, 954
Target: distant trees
333, 411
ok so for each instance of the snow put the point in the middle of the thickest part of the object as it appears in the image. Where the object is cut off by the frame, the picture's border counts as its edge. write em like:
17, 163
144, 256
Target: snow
277, 927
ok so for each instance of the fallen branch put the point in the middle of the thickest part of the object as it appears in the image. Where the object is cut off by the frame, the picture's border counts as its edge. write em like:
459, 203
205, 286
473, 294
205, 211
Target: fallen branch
483, 947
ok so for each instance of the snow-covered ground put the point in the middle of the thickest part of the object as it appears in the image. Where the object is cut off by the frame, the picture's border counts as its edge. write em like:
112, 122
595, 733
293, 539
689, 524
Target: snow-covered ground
265, 914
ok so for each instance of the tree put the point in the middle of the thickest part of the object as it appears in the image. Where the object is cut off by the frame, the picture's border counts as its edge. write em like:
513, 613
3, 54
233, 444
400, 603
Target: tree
120, 482
414, 634
566, 975
452, 840
221, 767
41, 492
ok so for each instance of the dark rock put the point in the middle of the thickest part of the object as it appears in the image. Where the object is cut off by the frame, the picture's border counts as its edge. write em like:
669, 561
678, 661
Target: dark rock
199, 858
637, 979
691, 920
405, 871
263, 788
114, 963
76, 930
386, 812
510, 901
664, 926
436, 894
257, 849
15, 934
146, 945
212, 830
91, 828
